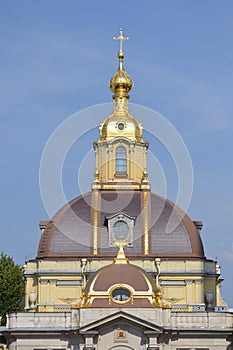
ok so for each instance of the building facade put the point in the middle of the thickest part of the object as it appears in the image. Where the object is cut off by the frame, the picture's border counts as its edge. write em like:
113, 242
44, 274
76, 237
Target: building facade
108, 273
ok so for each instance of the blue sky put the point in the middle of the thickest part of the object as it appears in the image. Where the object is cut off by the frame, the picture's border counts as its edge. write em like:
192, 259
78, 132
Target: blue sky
56, 59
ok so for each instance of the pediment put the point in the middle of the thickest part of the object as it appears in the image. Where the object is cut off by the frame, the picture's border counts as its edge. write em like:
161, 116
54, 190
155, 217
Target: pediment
121, 316
121, 216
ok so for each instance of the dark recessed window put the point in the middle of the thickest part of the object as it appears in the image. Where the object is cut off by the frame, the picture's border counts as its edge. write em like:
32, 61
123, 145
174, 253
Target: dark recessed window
121, 126
121, 295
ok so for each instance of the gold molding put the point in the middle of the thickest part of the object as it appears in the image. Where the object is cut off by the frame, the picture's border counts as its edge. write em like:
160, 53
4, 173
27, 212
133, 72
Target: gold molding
95, 221
120, 286
145, 223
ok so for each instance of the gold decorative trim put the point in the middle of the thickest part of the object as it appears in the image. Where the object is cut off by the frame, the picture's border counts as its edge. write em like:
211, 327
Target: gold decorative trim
68, 300
120, 186
121, 258
95, 221
145, 223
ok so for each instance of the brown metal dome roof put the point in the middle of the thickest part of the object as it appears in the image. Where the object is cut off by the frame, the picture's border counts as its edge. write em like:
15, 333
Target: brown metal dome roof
129, 274
141, 288
172, 233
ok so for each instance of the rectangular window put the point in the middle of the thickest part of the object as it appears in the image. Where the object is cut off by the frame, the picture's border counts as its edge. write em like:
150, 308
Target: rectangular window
69, 283
121, 166
121, 160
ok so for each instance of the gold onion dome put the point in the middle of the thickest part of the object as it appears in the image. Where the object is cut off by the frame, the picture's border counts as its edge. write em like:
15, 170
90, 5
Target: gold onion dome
120, 123
121, 81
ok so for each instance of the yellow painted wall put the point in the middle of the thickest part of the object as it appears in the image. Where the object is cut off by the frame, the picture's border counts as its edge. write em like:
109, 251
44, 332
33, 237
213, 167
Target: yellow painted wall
182, 282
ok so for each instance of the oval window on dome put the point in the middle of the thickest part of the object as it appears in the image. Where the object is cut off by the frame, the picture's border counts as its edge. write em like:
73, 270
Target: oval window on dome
121, 126
121, 295
120, 230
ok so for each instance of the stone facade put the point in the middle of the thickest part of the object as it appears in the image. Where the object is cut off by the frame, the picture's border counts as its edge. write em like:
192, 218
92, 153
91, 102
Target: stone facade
117, 329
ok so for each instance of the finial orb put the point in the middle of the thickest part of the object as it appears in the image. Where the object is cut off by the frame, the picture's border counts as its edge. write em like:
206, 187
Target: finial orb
120, 55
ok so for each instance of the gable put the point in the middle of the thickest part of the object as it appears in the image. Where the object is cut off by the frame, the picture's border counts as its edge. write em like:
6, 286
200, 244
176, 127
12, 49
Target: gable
121, 317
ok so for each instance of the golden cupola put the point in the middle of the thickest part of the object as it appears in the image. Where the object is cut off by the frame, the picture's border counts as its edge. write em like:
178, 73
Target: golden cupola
120, 123
121, 83
120, 152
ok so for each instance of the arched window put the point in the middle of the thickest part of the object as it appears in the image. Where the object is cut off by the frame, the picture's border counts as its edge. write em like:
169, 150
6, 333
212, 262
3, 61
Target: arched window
121, 160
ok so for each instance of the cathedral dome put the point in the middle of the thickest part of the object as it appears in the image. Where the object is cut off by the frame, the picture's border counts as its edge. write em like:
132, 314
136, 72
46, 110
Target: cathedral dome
172, 234
121, 285
121, 125
121, 202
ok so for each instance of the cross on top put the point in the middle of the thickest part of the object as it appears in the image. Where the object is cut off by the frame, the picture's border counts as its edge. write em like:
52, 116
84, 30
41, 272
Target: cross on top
121, 38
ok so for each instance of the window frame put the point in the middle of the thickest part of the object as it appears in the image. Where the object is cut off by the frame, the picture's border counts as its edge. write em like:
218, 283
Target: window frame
120, 161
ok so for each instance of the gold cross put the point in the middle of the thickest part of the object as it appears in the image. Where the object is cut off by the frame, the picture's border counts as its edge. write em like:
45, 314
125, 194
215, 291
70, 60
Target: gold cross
121, 243
121, 38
